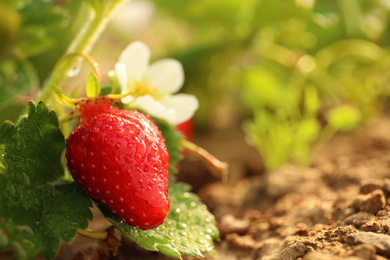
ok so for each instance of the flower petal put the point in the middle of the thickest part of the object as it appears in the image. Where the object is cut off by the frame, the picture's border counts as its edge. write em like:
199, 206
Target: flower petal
127, 99
120, 72
167, 75
136, 58
185, 106
154, 108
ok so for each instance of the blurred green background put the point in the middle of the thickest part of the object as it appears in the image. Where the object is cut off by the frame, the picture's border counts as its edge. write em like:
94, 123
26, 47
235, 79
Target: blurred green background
291, 73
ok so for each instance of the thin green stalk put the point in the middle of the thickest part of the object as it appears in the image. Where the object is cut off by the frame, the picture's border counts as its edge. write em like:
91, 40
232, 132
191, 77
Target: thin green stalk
352, 17
82, 44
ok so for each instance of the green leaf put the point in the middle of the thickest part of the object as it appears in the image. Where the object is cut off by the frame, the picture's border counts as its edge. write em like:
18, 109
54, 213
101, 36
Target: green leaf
307, 131
35, 41
93, 86
110, 90
37, 205
96, 4
189, 227
16, 77
263, 89
40, 18
344, 117
270, 136
9, 28
45, 13
312, 102
12, 236
172, 141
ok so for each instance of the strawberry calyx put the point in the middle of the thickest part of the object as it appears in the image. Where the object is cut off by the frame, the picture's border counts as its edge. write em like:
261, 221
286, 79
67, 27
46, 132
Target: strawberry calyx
88, 108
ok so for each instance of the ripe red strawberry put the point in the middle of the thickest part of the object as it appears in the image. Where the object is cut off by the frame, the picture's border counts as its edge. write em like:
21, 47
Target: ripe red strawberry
119, 158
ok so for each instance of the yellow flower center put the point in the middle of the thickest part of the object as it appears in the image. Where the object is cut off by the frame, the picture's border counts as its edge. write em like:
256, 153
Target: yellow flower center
143, 88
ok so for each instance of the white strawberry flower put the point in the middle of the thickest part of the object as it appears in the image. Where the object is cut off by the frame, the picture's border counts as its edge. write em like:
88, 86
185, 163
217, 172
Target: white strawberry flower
151, 87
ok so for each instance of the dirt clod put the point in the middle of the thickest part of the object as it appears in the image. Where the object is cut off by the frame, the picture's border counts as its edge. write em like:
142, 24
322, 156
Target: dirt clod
364, 251
380, 241
371, 202
242, 242
358, 219
294, 250
369, 186
230, 224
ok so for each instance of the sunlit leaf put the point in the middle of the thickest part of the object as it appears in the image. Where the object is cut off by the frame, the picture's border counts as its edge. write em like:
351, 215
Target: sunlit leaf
189, 227
93, 86
344, 117
17, 77
38, 208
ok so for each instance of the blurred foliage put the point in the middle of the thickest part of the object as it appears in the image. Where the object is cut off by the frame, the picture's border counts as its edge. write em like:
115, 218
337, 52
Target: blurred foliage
304, 69
34, 34
295, 71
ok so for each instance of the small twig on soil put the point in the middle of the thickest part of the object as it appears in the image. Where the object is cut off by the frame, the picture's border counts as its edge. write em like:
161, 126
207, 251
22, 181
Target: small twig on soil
100, 235
218, 168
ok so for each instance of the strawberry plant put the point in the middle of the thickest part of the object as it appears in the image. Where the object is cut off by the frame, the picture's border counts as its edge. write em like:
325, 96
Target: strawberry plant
119, 157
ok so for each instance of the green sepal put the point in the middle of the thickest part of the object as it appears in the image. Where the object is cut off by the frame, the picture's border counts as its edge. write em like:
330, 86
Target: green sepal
173, 140
63, 99
93, 86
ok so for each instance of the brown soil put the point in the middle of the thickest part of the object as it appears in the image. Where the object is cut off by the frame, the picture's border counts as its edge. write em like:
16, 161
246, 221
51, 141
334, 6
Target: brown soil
338, 208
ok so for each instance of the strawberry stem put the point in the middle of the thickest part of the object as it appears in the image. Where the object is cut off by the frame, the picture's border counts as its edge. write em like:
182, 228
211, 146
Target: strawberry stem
81, 44
218, 168
69, 116
87, 57
99, 235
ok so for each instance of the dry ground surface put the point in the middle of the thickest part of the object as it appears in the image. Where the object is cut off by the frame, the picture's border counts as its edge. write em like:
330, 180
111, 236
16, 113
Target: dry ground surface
337, 208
